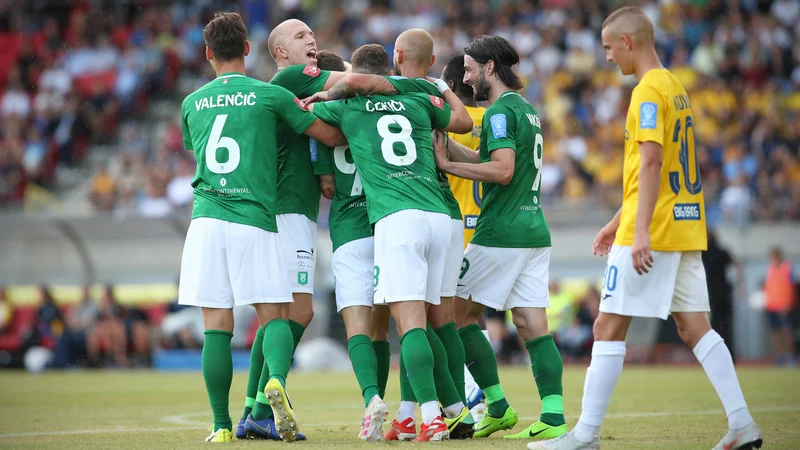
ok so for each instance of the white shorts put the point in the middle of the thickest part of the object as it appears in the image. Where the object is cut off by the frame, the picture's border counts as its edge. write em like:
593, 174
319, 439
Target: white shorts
505, 278
454, 258
353, 272
410, 251
227, 264
676, 283
298, 236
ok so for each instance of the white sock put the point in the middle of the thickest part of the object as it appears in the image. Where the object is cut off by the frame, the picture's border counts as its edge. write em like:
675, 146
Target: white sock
601, 378
453, 410
430, 411
716, 359
406, 410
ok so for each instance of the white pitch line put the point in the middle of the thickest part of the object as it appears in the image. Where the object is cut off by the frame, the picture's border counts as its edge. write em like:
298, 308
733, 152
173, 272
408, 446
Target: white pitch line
178, 418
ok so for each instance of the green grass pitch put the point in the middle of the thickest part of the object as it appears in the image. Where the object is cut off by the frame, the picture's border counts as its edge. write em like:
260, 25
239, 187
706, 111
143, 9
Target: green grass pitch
653, 408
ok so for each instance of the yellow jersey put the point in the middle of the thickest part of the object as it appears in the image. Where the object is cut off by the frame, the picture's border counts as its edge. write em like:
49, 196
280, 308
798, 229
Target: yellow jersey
660, 112
468, 192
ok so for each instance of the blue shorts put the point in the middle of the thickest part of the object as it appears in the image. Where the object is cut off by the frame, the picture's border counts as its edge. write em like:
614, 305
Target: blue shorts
779, 320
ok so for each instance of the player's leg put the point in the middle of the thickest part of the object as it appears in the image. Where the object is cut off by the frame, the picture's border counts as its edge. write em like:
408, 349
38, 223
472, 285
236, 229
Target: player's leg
257, 270
486, 280
353, 270
528, 301
298, 235
689, 307
253, 377
204, 282
381, 345
441, 316
625, 294
409, 264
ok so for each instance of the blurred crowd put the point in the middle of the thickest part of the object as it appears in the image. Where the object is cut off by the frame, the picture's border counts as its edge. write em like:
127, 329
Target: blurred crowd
76, 79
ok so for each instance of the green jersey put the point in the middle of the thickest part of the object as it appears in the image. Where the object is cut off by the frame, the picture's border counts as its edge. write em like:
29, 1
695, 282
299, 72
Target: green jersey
408, 86
511, 216
230, 124
390, 139
348, 220
298, 190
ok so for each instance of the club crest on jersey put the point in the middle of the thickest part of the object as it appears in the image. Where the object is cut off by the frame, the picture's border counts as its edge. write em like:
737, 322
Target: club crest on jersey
647, 115
437, 101
311, 71
300, 104
498, 122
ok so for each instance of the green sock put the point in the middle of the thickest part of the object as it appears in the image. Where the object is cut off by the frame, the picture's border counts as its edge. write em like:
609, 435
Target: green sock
297, 333
383, 352
547, 369
406, 392
261, 408
365, 365
446, 390
254, 373
416, 351
218, 374
456, 357
482, 365
278, 344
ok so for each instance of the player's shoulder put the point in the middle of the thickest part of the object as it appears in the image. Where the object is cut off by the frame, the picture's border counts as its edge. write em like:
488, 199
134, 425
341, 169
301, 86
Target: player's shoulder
298, 71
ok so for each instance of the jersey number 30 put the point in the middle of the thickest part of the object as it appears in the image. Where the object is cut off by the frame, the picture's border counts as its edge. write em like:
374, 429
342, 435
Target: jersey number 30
215, 142
685, 155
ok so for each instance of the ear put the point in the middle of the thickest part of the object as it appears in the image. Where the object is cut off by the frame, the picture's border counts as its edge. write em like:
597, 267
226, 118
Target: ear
399, 55
246, 48
209, 54
626, 41
433, 60
490, 67
451, 84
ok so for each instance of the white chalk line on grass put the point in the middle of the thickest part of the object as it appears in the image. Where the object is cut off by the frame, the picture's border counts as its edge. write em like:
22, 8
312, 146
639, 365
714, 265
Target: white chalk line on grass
184, 424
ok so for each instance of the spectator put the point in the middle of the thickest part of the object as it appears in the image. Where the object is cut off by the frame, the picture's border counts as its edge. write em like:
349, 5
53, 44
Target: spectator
103, 191
716, 262
108, 333
780, 301
6, 310
575, 338
49, 320
71, 347
16, 101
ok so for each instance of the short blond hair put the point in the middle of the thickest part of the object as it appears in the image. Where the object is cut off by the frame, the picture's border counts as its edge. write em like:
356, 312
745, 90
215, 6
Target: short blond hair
631, 21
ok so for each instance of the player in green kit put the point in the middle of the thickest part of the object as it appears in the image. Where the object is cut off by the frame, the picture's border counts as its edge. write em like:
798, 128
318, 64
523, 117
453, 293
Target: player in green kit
389, 139
413, 56
353, 249
232, 255
506, 264
293, 47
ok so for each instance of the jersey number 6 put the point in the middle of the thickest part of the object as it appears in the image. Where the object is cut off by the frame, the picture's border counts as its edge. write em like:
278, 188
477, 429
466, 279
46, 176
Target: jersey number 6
215, 142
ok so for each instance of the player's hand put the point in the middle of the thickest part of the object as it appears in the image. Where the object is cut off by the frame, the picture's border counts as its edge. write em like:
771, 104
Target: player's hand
327, 186
439, 149
640, 254
603, 241
318, 97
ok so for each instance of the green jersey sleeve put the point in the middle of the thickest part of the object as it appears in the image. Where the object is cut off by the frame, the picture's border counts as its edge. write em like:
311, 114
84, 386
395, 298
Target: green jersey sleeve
330, 112
440, 112
409, 86
187, 138
287, 107
302, 81
321, 157
501, 128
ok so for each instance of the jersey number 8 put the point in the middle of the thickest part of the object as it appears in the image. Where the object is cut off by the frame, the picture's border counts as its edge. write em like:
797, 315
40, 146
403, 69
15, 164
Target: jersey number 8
215, 142
390, 138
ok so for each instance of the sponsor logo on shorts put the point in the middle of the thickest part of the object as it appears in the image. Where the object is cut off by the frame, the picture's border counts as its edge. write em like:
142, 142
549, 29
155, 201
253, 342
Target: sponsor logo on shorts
686, 211
605, 296
302, 278
470, 222
305, 254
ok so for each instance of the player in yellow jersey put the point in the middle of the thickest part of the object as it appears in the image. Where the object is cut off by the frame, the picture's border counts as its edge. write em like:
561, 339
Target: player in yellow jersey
467, 192
654, 241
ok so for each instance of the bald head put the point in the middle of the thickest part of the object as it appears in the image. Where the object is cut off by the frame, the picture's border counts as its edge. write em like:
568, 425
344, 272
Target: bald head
291, 42
633, 22
417, 47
